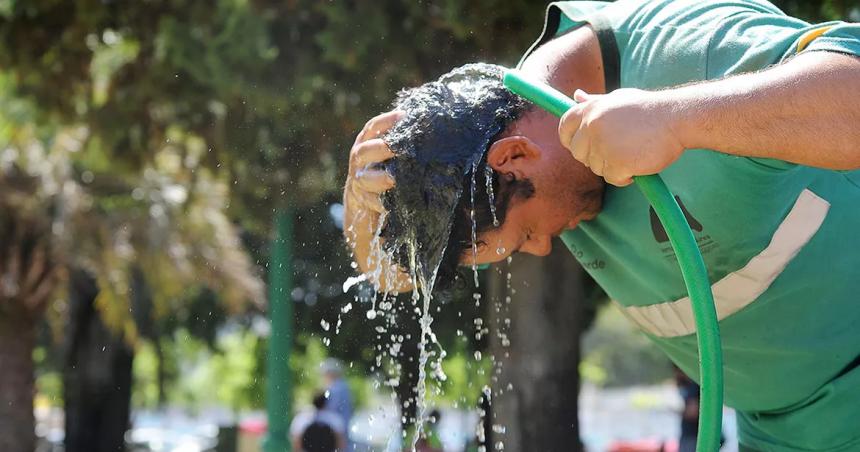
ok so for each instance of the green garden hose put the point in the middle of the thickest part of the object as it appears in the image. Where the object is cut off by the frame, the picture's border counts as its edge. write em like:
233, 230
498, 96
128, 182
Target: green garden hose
689, 258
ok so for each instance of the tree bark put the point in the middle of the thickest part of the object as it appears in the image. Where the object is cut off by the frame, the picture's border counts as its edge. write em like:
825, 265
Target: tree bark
17, 424
97, 375
161, 373
547, 312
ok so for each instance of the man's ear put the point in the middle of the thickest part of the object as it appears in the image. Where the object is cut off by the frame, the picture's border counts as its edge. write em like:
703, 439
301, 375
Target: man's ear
508, 154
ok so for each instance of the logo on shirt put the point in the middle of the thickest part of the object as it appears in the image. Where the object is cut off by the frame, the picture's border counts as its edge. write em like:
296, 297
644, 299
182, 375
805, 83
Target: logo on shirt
660, 233
704, 241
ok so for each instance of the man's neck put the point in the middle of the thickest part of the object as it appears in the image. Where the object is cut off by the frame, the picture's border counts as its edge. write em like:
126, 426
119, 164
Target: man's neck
569, 62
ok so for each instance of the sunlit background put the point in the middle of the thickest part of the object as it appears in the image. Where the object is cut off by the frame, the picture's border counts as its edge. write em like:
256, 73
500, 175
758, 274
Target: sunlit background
171, 169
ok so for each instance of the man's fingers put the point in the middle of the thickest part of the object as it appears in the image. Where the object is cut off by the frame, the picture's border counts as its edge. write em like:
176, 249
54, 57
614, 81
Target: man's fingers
581, 96
622, 181
580, 147
366, 184
596, 163
569, 125
379, 125
372, 181
368, 153
616, 178
364, 201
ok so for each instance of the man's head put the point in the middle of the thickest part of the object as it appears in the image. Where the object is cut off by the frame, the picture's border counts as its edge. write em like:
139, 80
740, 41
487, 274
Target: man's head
331, 370
320, 400
466, 140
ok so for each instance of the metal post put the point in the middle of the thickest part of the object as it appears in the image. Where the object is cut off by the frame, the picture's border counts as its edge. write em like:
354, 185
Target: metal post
278, 384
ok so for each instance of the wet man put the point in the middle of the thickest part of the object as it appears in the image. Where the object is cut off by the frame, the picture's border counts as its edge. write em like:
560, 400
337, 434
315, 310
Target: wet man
753, 120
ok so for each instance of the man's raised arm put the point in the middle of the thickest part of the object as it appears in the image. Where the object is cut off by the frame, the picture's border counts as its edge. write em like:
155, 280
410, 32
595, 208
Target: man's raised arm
804, 111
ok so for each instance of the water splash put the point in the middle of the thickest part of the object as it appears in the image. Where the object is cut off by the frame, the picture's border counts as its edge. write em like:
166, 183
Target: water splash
474, 226
488, 175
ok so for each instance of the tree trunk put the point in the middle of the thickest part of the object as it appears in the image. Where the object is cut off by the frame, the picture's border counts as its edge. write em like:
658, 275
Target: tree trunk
161, 373
538, 411
27, 280
17, 339
97, 375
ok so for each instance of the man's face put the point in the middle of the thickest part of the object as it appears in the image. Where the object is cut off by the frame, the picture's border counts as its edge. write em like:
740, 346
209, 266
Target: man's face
529, 227
565, 192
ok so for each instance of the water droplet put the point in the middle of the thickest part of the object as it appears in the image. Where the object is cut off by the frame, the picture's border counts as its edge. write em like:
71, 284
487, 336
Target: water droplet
488, 173
371, 314
500, 250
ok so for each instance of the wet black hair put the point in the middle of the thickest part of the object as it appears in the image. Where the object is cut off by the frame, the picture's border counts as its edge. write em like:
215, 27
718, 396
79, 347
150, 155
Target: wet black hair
320, 400
441, 156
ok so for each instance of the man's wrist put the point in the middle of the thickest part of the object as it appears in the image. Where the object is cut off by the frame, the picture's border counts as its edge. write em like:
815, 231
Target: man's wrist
684, 114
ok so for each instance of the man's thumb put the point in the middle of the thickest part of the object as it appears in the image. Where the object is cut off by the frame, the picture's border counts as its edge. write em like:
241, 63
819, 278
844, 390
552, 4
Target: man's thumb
581, 96
569, 124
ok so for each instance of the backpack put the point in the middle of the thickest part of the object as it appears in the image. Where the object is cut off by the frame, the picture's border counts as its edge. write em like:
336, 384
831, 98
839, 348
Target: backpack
319, 437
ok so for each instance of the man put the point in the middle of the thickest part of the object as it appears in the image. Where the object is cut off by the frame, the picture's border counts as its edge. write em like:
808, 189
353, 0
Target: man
339, 397
753, 120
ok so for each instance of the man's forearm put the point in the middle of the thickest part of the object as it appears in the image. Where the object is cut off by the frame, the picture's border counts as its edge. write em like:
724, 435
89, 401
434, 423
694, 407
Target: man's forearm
804, 111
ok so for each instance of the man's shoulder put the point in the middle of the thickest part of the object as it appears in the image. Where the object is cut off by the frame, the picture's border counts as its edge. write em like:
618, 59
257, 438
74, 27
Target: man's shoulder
332, 419
300, 422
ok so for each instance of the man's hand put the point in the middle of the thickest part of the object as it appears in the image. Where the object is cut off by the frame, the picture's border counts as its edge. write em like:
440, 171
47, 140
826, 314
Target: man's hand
362, 205
620, 135
363, 184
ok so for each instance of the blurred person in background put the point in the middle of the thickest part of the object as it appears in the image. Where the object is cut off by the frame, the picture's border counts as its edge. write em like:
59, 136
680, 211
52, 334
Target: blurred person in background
689, 391
319, 429
339, 396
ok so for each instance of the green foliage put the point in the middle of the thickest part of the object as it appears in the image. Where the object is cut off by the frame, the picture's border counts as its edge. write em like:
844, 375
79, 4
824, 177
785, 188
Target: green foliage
467, 376
145, 374
821, 10
615, 354
49, 383
230, 374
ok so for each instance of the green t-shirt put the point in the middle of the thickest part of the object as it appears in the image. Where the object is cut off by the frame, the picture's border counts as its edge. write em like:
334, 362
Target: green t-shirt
781, 241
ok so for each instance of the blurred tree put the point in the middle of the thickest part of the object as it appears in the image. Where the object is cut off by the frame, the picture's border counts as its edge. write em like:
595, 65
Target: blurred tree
821, 10
542, 308
63, 224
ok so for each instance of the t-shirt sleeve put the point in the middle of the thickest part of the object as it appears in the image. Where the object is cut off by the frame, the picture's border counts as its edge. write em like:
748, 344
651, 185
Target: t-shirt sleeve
749, 41
299, 424
661, 43
336, 422
838, 37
